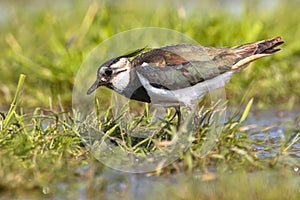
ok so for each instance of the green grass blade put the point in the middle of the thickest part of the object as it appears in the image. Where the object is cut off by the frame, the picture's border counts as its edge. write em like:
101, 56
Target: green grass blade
246, 111
14, 104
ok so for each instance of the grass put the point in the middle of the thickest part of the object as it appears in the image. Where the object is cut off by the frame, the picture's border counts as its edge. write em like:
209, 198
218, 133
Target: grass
40, 147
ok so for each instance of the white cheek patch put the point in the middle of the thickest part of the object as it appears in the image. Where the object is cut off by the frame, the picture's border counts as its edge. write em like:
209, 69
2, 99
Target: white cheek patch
121, 80
121, 74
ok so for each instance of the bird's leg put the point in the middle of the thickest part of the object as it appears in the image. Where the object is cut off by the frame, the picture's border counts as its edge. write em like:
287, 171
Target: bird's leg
178, 113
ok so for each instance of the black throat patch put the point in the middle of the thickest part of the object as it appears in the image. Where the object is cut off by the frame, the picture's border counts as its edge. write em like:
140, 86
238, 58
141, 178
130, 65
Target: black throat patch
140, 94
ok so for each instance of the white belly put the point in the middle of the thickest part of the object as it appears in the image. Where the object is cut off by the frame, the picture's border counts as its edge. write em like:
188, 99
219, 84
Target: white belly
186, 96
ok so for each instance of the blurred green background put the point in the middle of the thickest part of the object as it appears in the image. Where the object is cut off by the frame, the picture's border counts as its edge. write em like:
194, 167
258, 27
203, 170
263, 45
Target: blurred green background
48, 41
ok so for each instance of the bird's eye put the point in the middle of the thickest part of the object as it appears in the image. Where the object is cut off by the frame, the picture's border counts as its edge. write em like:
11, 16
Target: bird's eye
108, 72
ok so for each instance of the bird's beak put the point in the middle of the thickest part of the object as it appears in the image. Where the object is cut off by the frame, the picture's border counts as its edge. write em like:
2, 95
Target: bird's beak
95, 85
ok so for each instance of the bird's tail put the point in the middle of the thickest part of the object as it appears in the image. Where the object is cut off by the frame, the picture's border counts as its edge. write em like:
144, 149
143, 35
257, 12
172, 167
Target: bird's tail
254, 51
268, 46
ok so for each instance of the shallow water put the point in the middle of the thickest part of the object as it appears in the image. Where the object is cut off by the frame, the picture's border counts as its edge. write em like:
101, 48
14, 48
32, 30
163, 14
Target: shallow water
281, 123
115, 185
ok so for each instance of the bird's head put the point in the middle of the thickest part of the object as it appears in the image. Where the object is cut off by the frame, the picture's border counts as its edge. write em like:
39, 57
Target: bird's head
114, 73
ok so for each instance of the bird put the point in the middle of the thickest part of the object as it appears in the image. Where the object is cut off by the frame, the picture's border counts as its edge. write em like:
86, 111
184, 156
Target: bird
178, 74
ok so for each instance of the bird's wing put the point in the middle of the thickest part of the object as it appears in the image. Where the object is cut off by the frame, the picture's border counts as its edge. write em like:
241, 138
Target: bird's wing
173, 55
178, 76
177, 66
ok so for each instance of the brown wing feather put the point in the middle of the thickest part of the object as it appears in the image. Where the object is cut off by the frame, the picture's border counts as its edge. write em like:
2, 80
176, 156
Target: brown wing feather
159, 58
